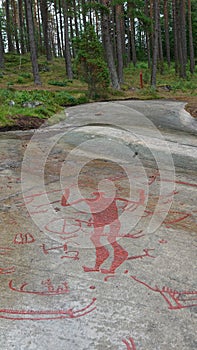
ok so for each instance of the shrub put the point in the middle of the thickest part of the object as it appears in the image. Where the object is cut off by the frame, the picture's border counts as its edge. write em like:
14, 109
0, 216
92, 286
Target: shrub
90, 64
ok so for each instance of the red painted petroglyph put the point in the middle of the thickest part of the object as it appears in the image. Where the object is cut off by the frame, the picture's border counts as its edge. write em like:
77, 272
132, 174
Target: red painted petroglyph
39, 315
156, 176
32, 198
146, 254
5, 250
179, 217
23, 238
51, 290
7, 270
173, 298
69, 254
104, 212
129, 344
92, 287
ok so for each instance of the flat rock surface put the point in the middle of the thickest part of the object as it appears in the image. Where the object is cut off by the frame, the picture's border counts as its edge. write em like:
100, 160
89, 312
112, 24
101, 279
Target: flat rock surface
98, 231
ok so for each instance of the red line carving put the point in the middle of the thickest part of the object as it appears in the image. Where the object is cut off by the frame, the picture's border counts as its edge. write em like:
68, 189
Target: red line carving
104, 212
155, 176
23, 238
69, 254
50, 288
146, 254
108, 277
46, 315
7, 270
180, 217
173, 298
31, 198
5, 250
129, 344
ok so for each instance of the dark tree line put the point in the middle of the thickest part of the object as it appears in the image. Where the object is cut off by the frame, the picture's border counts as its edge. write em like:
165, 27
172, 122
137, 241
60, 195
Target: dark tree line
155, 31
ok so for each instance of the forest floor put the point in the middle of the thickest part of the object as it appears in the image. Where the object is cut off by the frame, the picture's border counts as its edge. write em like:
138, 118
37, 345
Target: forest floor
57, 93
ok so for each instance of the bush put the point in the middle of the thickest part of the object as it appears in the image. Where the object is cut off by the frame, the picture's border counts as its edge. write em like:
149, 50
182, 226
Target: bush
90, 64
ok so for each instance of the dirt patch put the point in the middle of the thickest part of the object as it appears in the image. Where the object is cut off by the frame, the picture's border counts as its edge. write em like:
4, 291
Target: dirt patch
192, 109
22, 122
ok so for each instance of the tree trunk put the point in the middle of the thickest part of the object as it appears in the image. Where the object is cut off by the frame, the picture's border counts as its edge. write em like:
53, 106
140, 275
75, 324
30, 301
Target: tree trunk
132, 31
155, 43
166, 26
108, 45
76, 19
181, 37
45, 25
83, 14
1, 47
15, 25
32, 43
59, 50
61, 24
67, 54
21, 26
119, 43
147, 14
160, 51
9, 27
183, 30
191, 45
175, 30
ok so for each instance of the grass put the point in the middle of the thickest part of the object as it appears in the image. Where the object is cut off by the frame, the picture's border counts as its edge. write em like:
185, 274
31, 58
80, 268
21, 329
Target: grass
57, 92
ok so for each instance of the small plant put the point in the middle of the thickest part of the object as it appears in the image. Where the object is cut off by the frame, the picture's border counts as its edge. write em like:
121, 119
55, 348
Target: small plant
146, 77
65, 99
25, 75
90, 64
58, 83
20, 80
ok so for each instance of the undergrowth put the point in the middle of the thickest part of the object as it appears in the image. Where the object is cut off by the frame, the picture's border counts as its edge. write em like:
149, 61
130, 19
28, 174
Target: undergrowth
57, 92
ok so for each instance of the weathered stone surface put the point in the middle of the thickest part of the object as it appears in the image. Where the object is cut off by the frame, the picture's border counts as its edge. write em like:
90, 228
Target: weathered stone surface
75, 278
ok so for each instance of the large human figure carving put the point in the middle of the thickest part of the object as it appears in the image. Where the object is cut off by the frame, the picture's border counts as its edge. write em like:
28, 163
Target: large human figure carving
104, 212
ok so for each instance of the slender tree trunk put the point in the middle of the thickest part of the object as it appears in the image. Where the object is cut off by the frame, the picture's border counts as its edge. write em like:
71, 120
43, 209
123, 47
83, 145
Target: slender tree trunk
166, 26
175, 30
191, 45
155, 43
45, 25
128, 41
1, 47
131, 7
133, 45
57, 30
119, 43
72, 51
67, 54
9, 27
148, 34
76, 18
61, 24
181, 37
21, 26
108, 45
183, 31
15, 25
160, 51
32, 43
83, 14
